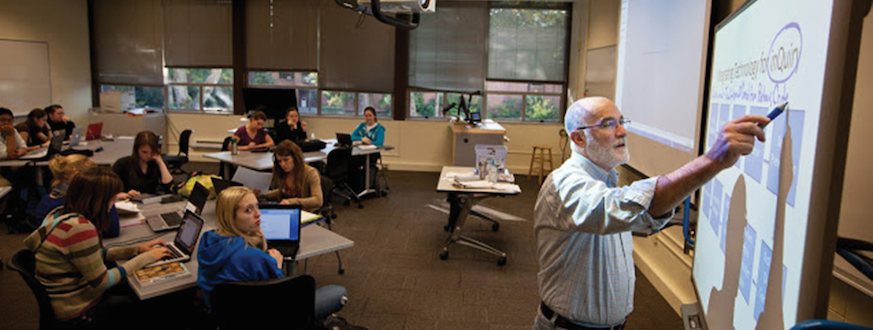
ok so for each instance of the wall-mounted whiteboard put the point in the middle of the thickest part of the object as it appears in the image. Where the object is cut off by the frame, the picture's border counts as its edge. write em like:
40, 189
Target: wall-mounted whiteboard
25, 81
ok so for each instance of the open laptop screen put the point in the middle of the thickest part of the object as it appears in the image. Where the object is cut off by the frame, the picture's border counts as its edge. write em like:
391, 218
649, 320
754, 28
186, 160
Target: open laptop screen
189, 232
280, 224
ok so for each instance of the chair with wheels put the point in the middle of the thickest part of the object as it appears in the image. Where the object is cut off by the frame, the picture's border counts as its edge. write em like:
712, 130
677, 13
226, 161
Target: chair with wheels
24, 263
261, 304
225, 146
181, 158
338, 163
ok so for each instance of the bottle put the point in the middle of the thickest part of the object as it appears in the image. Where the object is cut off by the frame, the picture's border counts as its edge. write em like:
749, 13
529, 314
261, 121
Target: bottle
234, 148
492, 170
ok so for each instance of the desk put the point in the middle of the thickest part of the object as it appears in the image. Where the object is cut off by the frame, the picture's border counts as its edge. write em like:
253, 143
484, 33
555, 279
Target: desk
461, 204
112, 151
466, 137
314, 240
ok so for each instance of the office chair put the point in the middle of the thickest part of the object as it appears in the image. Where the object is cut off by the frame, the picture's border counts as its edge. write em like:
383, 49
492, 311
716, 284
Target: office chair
24, 263
254, 305
326, 211
338, 162
181, 158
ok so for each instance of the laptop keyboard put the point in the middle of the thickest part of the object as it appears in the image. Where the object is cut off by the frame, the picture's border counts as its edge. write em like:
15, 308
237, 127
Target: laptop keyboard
174, 253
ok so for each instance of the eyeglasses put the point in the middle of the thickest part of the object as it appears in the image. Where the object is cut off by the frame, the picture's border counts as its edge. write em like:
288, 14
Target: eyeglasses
609, 124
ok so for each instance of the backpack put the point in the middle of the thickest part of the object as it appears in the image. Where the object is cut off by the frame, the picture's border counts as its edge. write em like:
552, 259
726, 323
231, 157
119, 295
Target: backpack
185, 187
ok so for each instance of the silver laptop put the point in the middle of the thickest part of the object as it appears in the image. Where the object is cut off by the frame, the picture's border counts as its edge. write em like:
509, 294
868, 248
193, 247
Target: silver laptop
172, 220
55, 146
182, 247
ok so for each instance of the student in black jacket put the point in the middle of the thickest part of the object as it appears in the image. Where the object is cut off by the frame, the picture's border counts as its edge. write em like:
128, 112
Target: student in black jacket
292, 128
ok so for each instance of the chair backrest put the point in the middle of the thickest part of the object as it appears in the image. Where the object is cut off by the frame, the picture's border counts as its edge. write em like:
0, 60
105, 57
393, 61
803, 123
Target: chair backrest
326, 187
225, 145
184, 140
24, 263
253, 179
288, 302
338, 162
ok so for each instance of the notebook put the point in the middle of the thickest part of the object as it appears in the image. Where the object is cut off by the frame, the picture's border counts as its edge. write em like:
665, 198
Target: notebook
54, 147
182, 247
172, 220
221, 184
343, 139
281, 227
95, 131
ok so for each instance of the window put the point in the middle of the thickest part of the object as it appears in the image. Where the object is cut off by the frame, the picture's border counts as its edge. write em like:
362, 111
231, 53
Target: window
526, 101
305, 82
198, 89
149, 97
350, 104
528, 43
424, 104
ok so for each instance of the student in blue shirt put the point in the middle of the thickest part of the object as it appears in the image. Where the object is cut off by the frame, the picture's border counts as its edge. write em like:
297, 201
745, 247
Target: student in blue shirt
236, 251
370, 131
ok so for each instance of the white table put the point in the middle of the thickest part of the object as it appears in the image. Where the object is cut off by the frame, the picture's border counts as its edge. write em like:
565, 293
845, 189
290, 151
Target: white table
461, 202
314, 241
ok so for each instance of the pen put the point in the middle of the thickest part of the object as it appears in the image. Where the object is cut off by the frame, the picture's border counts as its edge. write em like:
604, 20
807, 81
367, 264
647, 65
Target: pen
778, 110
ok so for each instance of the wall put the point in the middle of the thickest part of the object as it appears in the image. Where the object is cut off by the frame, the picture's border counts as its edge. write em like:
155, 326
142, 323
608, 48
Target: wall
64, 26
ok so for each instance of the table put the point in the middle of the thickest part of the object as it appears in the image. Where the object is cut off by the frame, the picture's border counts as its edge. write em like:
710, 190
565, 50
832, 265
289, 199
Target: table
314, 241
461, 202
112, 151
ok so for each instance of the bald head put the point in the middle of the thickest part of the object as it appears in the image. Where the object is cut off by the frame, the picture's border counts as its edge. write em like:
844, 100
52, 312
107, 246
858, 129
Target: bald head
586, 111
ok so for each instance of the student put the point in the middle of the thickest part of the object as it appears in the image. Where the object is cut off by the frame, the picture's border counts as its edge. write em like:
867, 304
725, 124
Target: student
71, 258
58, 120
64, 169
12, 145
35, 131
253, 135
144, 171
292, 128
370, 131
294, 182
236, 251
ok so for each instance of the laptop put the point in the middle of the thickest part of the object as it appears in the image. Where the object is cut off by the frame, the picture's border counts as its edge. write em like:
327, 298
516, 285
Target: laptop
172, 220
343, 139
95, 131
76, 137
55, 146
281, 227
182, 247
222, 184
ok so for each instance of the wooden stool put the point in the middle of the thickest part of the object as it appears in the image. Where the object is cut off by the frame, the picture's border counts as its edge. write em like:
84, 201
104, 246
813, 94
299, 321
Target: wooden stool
538, 157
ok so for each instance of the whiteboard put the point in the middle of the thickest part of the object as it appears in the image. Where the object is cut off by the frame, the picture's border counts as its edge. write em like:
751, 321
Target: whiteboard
25, 80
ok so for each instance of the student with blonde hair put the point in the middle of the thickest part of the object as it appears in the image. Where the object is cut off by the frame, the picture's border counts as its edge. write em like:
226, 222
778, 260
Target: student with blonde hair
294, 182
236, 251
64, 169
71, 261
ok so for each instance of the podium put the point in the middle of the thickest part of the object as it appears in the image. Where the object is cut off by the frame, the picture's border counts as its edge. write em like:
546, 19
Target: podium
465, 137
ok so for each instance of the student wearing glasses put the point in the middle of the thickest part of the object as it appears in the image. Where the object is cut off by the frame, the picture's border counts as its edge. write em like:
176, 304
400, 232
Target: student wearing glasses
294, 182
236, 251
58, 120
583, 219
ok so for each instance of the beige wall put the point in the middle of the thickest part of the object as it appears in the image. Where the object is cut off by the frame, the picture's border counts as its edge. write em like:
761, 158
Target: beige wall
603, 23
64, 26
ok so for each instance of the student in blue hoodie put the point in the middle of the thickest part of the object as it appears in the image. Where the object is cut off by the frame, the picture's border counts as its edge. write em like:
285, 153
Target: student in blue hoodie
237, 251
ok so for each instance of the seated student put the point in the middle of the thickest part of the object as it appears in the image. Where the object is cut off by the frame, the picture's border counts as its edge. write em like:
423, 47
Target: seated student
144, 171
236, 251
292, 128
370, 131
12, 145
64, 169
294, 182
35, 130
58, 120
71, 258
253, 135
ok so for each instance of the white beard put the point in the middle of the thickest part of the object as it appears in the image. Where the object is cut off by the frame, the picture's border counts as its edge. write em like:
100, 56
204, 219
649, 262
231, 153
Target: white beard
606, 155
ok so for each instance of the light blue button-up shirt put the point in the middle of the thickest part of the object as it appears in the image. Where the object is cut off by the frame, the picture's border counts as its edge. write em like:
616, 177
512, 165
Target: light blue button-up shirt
582, 225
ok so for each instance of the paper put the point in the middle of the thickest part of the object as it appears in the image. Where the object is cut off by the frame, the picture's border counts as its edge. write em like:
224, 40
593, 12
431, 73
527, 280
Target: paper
126, 207
367, 147
307, 217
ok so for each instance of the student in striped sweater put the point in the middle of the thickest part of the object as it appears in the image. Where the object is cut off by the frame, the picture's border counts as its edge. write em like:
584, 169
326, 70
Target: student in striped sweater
71, 259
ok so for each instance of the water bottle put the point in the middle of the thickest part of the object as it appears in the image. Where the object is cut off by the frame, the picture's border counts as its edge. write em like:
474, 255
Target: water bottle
234, 148
492, 170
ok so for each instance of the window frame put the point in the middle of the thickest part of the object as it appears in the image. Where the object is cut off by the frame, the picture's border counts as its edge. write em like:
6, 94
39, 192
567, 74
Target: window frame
524, 95
200, 101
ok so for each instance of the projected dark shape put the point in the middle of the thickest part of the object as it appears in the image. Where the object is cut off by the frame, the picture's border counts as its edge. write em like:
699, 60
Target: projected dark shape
720, 313
771, 317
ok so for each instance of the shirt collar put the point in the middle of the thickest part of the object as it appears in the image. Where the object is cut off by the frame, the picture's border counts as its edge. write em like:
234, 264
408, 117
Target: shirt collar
595, 171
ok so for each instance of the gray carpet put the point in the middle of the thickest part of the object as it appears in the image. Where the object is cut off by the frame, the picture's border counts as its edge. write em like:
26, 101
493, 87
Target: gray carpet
394, 275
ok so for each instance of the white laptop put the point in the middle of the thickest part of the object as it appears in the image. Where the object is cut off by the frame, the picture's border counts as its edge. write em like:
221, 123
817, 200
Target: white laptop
54, 147
182, 247
173, 219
